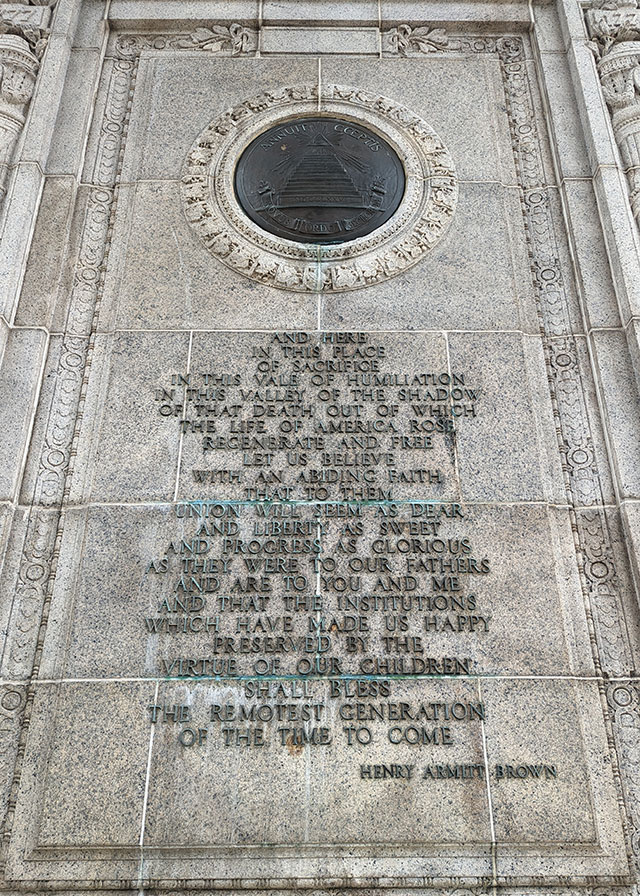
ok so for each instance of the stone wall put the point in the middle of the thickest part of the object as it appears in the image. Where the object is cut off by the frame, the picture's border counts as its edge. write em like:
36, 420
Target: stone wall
320, 559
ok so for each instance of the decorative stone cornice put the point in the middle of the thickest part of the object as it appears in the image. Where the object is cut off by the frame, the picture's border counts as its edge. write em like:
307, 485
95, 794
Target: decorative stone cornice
405, 40
238, 38
223, 40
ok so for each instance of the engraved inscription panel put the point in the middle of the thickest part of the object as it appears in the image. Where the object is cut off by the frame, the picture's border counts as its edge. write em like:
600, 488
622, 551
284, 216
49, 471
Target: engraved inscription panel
331, 592
325, 634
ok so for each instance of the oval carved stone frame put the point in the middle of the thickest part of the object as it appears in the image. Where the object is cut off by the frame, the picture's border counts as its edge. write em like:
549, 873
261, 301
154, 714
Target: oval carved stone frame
213, 211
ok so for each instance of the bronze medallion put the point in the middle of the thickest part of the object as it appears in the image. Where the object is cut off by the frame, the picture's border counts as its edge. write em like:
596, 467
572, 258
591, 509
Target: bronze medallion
319, 180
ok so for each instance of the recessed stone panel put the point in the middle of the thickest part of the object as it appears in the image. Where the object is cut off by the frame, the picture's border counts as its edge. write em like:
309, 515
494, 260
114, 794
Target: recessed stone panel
186, 95
319, 784
476, 278
461, 97
542, 791
162, 278
90, 787
179, 590
132, 455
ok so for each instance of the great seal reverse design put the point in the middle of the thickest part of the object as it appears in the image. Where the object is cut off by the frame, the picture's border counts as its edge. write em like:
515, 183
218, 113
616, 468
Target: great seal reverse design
328, 262
319, 180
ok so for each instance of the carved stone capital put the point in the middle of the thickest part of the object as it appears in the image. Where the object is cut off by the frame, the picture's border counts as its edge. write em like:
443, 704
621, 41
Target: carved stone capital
610, 27
619, 74
23, 40
30, 22
18, 71
615, 35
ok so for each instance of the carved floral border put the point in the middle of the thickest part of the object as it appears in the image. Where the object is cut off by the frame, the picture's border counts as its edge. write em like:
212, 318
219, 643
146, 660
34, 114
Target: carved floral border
424, 214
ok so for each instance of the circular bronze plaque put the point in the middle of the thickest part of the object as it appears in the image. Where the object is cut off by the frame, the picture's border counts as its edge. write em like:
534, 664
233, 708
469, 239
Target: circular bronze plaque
319, 180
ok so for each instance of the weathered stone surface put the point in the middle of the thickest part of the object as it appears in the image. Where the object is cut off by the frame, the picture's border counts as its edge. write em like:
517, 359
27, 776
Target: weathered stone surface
187, 91
323, 41
319, 561
19, 385
477, 622
514, 420
469, 281
160, 278
615, 369
125, 368
526, 807
439, 91
95, 812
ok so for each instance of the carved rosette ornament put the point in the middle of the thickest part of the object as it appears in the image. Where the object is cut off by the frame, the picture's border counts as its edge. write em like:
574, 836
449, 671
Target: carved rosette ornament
615, 34
215, 214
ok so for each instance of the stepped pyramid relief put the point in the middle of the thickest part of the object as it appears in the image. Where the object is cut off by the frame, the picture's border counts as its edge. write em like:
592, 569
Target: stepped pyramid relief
321, 180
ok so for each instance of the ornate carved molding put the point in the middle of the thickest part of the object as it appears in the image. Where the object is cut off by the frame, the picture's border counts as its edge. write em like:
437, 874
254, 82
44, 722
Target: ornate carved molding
615, 40
404, 40
23, 40
18, 71
223, 40
215, 215
237, 38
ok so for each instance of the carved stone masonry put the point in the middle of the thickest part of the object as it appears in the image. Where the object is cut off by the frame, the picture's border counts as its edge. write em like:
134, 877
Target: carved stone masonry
213, 212
56, 464
615, 33
23, 39
18, 69
612, 651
